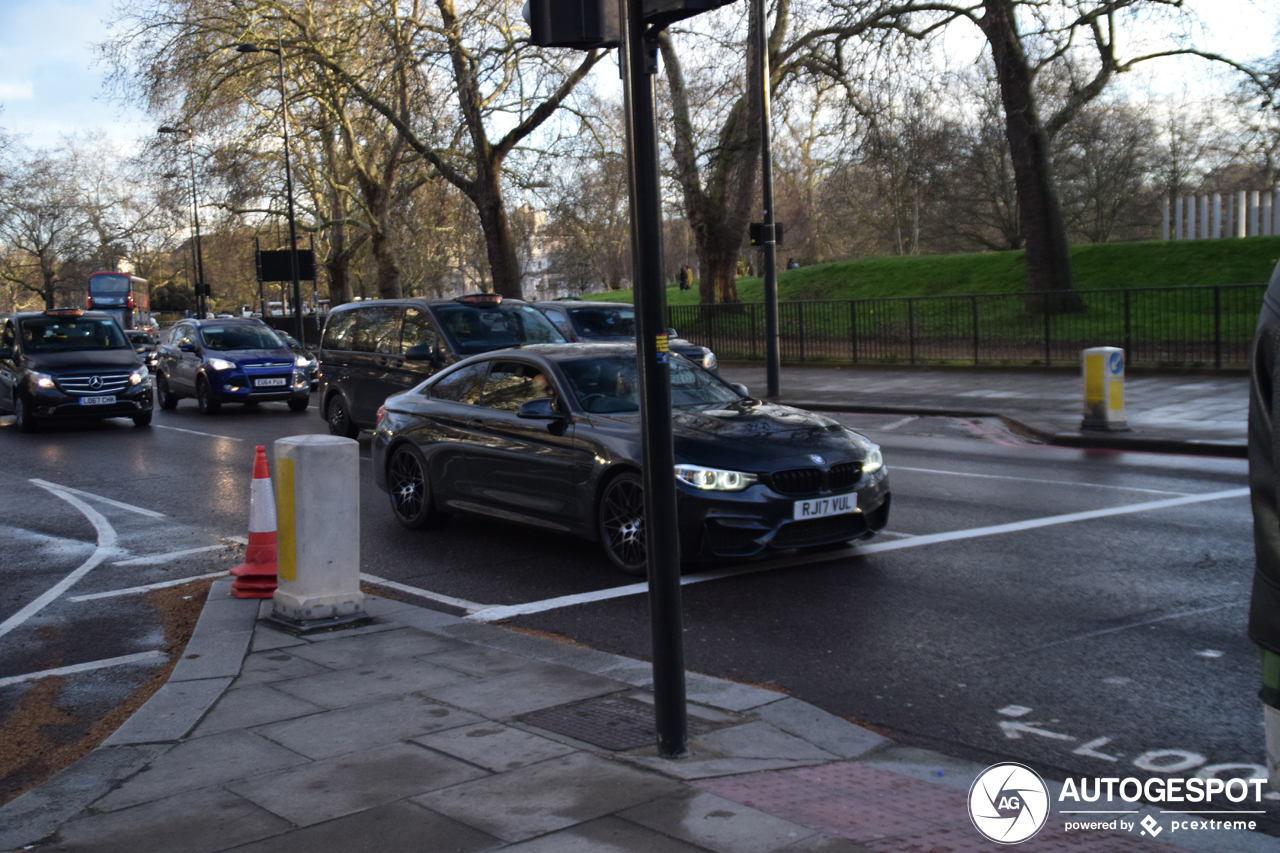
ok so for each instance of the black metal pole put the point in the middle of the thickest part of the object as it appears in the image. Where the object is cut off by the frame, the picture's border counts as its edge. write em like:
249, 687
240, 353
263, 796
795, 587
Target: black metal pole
772, 354
288, 191
638, 58
202, 301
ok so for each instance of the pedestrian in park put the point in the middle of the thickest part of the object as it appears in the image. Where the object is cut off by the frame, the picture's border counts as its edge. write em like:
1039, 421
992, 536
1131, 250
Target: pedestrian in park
1264, 479
791, 264
686, 277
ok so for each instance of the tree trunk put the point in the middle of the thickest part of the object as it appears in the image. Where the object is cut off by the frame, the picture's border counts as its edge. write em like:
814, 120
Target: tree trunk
1044, 230
499, 242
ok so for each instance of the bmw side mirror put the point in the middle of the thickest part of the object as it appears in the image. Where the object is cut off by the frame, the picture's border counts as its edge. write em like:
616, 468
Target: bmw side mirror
187, 347
671, 333
741, 389
541, 409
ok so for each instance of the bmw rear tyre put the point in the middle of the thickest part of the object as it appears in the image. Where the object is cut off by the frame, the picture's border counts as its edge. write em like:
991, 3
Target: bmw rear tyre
410, 490
620, 523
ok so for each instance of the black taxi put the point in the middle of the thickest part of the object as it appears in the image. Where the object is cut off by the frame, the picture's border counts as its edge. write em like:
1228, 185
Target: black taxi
68, 363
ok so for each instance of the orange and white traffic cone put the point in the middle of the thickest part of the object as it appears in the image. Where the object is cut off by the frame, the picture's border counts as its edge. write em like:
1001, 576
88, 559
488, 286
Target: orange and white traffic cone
256, 576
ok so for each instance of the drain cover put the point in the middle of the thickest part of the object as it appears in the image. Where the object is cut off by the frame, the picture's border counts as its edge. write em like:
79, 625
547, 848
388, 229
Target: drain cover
617, 724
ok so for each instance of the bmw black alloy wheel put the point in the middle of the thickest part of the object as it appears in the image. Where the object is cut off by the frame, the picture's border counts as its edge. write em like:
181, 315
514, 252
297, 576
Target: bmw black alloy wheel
621, 523
409, 490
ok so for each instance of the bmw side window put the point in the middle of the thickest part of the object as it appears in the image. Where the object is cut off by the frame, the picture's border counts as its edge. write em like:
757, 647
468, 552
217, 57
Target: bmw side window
340, 331
418, 330
8, 339
461, 386
512, 383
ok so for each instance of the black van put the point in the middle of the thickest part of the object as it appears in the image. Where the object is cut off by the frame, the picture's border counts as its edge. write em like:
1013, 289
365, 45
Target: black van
371, 350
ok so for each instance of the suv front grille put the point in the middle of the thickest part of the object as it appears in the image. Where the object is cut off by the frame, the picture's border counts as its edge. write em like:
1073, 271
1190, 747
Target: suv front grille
274, 365
108, 382
809, 481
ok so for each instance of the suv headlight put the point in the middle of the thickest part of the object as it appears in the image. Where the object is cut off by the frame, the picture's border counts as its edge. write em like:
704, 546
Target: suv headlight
709, 360
139, 375
874, 461
714, 479
42, 380
221, 364
303, 361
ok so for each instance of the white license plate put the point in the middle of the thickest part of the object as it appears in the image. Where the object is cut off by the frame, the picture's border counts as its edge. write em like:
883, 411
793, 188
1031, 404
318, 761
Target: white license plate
104, 400
268, 383
819, 507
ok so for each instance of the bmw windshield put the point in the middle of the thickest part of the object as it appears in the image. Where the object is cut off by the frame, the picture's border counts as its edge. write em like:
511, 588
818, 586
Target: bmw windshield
612, 385
605, 323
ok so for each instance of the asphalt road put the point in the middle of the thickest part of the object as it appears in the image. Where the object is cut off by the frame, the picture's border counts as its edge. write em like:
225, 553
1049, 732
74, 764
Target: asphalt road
1110, 642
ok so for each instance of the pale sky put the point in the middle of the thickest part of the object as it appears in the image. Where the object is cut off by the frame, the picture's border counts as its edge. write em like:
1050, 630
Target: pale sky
51, 83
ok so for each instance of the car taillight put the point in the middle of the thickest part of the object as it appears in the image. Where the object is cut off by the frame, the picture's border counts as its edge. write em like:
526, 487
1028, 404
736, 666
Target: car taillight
382, 413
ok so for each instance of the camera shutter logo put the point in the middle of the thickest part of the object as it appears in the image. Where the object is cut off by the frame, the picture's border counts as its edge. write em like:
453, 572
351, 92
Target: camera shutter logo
1008, 803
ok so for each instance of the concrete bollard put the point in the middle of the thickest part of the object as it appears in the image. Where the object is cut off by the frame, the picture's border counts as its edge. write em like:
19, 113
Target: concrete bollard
318, 531
1103, 388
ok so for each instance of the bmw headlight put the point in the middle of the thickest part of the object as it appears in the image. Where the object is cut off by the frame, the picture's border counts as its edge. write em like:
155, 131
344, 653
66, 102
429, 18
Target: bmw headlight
139, 375
714, 479
874, 460
709, 360
222, 364
42, 380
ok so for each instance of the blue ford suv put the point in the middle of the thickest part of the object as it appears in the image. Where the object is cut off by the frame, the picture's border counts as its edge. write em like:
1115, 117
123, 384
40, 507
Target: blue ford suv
229, 361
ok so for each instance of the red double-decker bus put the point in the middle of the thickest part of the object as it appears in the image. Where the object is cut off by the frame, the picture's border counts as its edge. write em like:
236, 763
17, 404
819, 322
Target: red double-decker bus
125, 296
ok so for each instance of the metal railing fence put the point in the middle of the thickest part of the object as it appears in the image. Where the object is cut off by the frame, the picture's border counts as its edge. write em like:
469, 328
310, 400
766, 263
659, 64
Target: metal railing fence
1165, 326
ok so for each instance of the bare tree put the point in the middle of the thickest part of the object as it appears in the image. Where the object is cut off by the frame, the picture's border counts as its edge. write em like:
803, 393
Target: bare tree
43, 228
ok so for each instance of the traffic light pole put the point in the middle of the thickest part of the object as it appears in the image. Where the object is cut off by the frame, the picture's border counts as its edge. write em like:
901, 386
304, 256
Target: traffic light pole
638, 59
771, 349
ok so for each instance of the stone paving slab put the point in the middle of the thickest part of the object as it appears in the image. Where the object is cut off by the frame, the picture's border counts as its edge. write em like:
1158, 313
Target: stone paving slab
717, 824
391, 828
494, 746
192, 822
322, 790
548, 796
252, 706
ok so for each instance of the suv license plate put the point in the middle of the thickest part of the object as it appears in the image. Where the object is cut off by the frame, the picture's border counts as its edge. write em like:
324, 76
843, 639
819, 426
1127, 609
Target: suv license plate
819, 507
98, 401
268, 383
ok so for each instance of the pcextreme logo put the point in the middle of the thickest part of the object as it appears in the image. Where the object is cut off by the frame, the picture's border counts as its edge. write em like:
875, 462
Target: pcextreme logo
1008, 803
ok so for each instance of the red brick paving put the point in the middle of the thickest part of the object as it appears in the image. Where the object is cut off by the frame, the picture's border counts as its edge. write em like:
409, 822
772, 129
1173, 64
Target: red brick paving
889, 812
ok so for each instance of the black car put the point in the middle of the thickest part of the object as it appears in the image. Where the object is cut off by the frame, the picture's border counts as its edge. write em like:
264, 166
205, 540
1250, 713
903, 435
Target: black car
305, 359
145, 346
613, 322
229, 361
550, 436
371, 350
68, 363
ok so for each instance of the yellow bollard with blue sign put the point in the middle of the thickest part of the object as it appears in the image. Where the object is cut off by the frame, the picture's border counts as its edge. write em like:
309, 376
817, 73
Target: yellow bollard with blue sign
1103, 388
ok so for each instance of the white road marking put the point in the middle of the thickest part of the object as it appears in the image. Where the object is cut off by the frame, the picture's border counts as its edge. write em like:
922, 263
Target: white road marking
500, 612
198, 432
1034, 480
149, 513
1105, 631
106, 543
463, 604
1014, 710
133, 590
897, 424
152, 559
1014, 731
1091, 748
88, 666
1210, 653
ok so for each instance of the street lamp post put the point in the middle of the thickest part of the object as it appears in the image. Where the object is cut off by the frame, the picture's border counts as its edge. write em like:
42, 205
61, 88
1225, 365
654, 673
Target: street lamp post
201, 293
278, 50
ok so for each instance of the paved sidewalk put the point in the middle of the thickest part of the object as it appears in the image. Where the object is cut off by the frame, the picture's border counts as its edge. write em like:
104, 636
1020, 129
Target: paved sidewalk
429, 732
1203, 413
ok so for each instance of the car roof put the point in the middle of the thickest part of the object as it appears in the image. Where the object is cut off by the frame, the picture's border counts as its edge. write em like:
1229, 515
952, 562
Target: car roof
213, 321
93, 315
590, 303
563, 352
418, 302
